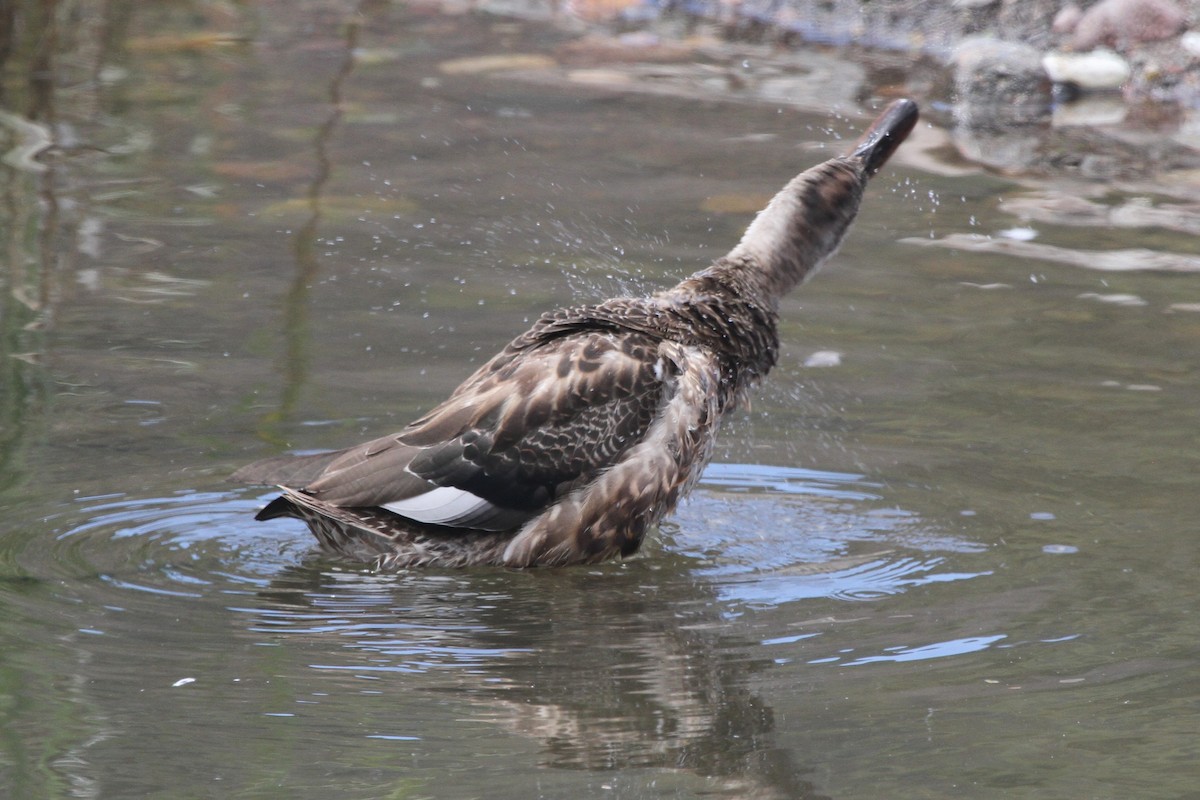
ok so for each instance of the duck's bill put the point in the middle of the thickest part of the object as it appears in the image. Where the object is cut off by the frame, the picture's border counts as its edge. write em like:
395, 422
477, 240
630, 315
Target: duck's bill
889, 129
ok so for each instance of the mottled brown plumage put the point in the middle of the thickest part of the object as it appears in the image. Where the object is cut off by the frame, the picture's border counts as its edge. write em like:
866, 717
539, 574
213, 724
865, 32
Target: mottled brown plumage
586, 430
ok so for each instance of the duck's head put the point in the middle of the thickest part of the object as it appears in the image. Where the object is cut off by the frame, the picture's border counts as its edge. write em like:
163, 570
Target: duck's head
805, 222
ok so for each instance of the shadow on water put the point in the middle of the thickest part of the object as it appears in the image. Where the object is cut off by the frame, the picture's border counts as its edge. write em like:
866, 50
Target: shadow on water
626, 693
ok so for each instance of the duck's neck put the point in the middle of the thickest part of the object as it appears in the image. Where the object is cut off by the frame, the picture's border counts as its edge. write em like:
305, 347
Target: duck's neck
799, 229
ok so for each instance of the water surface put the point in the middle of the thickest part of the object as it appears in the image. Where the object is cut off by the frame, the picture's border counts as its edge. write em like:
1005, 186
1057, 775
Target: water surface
959, 561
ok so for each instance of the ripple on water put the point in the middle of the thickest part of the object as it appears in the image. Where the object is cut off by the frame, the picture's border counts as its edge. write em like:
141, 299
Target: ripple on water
752, 535
414, 622
804, 534
176, 544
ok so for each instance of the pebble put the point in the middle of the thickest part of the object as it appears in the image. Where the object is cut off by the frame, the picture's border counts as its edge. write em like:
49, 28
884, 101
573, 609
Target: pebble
1125, 22
1097, 70
1190, 42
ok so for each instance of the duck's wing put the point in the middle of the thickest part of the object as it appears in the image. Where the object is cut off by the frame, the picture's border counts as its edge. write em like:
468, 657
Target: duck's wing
535, 422
610, 515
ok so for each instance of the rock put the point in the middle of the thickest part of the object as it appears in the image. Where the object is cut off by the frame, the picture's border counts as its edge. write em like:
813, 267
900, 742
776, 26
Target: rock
1098, 70
1067, 19
1003, 102
1121, 23
999, 84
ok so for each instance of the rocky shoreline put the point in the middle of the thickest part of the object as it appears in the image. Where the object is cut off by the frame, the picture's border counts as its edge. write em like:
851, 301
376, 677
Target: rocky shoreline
1152, 37
1106, 89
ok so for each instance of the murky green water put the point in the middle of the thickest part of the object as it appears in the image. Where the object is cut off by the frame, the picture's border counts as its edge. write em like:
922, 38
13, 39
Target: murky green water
960, 562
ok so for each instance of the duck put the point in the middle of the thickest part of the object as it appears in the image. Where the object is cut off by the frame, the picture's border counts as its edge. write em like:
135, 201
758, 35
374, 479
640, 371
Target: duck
586, 430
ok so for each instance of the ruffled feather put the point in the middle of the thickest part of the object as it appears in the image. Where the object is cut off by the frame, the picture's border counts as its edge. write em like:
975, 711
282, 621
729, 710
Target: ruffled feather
587, 429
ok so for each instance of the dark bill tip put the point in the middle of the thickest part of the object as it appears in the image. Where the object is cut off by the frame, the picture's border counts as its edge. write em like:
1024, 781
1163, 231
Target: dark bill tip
889, 129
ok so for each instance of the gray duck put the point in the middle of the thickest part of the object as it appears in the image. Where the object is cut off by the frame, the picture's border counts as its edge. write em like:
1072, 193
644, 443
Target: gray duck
588, 428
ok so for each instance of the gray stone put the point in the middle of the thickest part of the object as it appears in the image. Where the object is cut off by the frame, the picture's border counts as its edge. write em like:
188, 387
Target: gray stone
999, 84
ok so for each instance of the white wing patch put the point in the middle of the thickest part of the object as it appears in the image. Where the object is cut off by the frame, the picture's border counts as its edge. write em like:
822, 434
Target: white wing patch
444, 505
